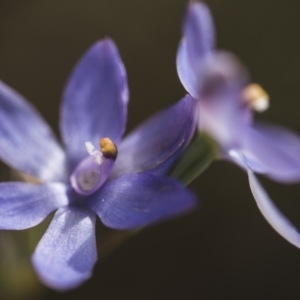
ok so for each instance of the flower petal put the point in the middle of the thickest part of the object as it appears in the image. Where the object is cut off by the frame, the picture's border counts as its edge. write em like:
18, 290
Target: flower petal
138, 199
66, 254
95, 100
156, 144
24, 205
26, 141
273, 151
199, 31
217, 81
223, 114
186, 71
274, 217
198, 41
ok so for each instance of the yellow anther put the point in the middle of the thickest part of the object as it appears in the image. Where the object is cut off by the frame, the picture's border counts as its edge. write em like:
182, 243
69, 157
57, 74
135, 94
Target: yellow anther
256, 97
108, 148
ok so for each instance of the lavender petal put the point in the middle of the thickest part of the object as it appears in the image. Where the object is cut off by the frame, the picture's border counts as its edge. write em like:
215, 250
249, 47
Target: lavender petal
198, 41
273, 151
26, 141
24, 205
157, 143
136, 200
95, 100
186, 71
198, 31
66, 254
223, 114
273, 216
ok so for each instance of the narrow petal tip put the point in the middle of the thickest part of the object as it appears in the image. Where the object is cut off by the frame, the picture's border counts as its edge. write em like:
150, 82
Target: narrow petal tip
272, 214
199, 25
198, 41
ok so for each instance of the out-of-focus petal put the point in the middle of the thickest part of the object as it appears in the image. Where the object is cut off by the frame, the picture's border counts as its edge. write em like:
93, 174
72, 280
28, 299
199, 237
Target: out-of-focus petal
198, 31
223, 114
274, 217
26, 141
24, 205
198, 41
95, 100
66, 254
222, 72
158, 142
138, 199
273, 151
186, 72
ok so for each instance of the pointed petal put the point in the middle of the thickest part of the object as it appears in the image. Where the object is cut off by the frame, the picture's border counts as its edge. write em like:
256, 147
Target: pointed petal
66, 254
157, 143
24, 205
136, 200
26, 141
198, 41
95, 100
199, 30
273, 151
274, 217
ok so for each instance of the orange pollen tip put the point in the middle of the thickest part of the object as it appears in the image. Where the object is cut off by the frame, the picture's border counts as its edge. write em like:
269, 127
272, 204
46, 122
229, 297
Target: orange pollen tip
108, 148
256, 97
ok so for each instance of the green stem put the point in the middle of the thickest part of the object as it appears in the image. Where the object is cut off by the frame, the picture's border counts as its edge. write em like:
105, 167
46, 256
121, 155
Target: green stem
194, 161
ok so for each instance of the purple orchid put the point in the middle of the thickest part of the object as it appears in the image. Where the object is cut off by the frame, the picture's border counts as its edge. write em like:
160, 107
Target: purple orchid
225, 103
82, 181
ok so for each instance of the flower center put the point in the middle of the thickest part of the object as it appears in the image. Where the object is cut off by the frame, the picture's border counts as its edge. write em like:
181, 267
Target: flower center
256, 97
93, 171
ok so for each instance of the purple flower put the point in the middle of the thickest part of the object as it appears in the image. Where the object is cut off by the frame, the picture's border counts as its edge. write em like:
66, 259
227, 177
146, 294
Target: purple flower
225, 103
89, 177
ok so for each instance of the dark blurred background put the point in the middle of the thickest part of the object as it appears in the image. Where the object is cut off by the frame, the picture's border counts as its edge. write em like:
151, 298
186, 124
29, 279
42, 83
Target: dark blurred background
225, 250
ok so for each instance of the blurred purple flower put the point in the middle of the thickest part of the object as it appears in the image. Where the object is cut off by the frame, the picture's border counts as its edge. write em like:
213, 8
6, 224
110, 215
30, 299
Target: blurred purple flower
225, 103
94, 109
